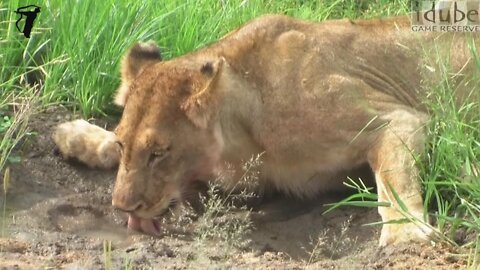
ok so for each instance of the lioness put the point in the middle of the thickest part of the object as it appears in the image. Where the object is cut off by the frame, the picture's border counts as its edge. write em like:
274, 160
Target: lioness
314, 98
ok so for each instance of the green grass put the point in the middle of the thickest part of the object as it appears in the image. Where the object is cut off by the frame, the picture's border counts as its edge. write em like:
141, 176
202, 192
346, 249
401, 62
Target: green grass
77, 46
451, 167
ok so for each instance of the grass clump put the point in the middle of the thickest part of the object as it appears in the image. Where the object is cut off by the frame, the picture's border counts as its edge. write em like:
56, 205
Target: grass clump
450, 170
226, 218
224, 223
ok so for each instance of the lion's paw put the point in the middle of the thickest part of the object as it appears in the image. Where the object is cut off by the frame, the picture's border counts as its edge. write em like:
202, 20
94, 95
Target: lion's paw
399, 233
88, 143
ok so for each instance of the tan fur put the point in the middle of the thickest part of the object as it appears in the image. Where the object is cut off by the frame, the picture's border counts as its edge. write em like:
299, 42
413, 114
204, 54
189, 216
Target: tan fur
315, 98
88, 143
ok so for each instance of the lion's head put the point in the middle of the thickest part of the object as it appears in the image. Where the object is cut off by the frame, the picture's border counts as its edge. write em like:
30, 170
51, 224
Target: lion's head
167, 135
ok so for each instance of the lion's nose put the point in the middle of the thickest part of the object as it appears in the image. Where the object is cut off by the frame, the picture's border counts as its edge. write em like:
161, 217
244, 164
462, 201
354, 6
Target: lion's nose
130, 207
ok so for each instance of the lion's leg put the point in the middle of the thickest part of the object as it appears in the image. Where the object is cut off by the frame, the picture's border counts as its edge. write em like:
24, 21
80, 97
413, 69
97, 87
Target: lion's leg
392, 160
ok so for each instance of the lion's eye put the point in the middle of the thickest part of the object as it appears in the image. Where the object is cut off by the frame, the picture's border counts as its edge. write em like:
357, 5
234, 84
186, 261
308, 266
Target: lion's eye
157, 156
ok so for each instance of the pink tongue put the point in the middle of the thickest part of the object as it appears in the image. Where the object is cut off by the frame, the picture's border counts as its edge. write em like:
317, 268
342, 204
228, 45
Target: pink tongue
147, 226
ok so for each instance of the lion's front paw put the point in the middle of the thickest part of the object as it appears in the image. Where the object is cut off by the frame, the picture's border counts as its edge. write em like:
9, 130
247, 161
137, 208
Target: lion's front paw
409, 232
88, 143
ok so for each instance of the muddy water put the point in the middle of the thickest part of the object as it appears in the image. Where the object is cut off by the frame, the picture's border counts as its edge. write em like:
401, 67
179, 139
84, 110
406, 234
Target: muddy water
86, 221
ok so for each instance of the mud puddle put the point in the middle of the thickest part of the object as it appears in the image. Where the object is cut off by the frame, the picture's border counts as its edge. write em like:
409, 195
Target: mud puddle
59, 216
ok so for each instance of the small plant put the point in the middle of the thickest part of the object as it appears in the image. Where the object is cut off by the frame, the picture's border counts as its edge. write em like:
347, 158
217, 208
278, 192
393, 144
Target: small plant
223, 221
127, 264
331, 245
318, 245
341, 242
5, 123
107, 254
108, 258
364, 197
6, 182
14, 128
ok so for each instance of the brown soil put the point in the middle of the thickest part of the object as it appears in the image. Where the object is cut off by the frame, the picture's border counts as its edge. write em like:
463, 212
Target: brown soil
59, 214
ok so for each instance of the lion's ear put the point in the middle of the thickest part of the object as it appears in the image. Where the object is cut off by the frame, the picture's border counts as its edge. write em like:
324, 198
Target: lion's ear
134, 61
202, 102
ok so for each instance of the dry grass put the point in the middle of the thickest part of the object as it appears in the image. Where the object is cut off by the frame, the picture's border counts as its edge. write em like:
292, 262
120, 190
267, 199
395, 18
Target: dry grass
330, 244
